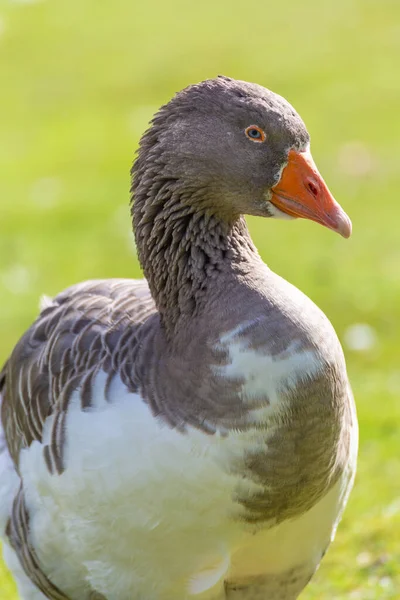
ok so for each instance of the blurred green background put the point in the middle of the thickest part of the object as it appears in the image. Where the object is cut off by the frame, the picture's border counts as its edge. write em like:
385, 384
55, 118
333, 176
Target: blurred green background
79, 80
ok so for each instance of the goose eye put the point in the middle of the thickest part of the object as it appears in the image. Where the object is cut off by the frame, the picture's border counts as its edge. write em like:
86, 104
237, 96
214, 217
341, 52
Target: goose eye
255, 133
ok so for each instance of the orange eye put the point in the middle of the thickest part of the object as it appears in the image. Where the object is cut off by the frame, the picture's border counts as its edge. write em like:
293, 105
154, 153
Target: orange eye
255, 134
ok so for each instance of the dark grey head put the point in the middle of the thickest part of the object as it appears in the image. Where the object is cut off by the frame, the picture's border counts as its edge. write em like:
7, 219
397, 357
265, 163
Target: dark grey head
226, 145
202, 138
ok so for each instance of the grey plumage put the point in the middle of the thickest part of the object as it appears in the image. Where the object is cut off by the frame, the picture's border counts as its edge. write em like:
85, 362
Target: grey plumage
195, 175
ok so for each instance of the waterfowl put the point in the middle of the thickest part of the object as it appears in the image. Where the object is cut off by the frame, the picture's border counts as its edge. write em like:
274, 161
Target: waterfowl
192, 435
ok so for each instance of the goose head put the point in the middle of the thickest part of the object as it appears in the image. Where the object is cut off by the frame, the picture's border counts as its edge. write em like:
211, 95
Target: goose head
232, 148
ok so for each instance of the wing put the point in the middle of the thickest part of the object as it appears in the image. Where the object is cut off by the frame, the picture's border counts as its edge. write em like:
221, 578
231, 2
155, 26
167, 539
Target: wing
92, 325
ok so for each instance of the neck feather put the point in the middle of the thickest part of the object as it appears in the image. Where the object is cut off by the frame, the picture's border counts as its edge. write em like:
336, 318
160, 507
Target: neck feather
185, 251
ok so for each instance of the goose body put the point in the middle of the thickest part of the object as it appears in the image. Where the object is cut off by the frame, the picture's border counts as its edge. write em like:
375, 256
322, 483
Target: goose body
193, 436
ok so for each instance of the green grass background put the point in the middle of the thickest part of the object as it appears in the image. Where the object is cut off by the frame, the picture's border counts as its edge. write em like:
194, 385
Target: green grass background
79, 80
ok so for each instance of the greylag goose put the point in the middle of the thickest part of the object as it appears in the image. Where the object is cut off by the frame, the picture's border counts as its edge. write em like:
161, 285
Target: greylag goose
191, 436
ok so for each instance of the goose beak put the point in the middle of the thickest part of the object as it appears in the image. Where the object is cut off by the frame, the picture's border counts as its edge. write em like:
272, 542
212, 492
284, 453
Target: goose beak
301, 192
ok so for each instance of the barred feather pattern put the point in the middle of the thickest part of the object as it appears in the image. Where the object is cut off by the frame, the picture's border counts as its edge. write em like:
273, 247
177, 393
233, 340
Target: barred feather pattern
94, 325
91, 326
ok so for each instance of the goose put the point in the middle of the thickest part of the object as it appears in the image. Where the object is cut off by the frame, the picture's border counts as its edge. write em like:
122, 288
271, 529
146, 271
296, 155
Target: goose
192, 435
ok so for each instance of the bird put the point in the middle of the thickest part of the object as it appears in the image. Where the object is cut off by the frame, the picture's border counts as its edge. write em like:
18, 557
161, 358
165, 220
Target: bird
191, 435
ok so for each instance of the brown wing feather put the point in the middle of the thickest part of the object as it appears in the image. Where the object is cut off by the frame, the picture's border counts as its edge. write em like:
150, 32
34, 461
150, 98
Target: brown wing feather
84, 328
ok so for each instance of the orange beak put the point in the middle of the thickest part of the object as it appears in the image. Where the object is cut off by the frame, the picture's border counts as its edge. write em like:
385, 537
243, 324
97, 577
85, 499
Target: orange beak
301, 192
